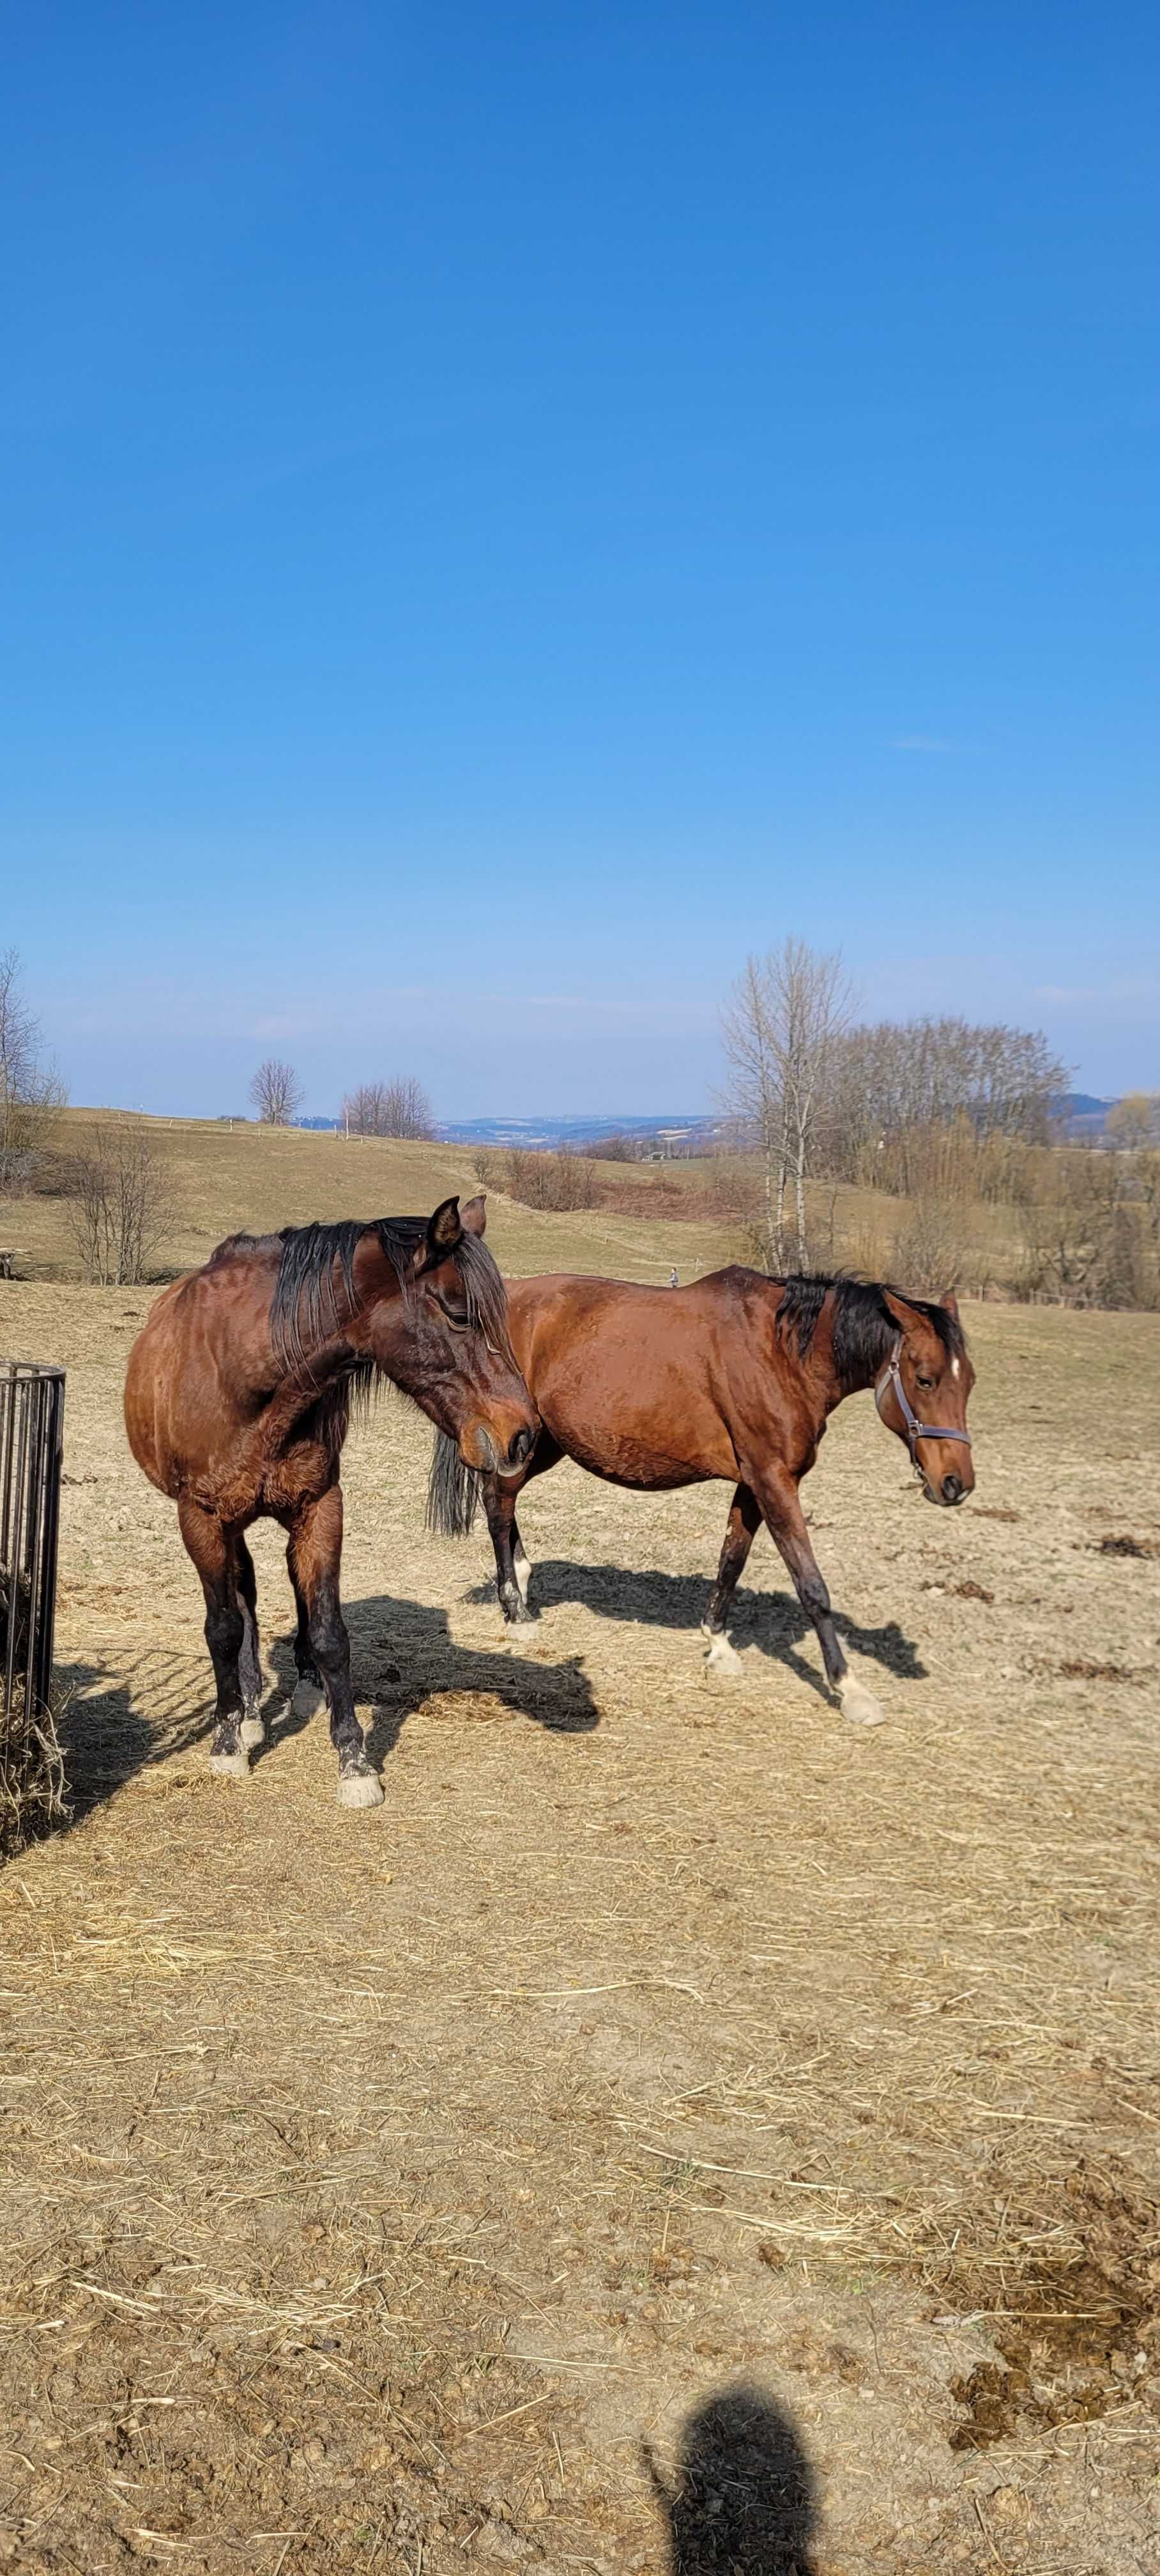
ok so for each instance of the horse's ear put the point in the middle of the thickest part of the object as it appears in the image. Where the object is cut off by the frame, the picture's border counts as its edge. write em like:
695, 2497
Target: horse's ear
898, 1310
475, 1215
444, 1231
950, 1304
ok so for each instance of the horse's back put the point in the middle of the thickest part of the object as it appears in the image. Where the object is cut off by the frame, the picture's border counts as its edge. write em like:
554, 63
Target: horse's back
634, 1381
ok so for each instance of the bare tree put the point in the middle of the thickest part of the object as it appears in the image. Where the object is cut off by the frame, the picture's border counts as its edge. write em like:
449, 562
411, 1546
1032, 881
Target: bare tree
398, 1108
781, 1027
276, 1092
30, 1091
121, 1205
1133, 1123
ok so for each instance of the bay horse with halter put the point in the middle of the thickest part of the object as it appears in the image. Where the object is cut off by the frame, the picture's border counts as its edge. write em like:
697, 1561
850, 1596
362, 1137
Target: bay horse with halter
237, 1402
733, 1377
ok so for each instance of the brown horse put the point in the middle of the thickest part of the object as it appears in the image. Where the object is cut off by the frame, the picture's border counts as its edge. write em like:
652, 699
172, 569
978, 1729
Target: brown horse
237, 1403
732, 1377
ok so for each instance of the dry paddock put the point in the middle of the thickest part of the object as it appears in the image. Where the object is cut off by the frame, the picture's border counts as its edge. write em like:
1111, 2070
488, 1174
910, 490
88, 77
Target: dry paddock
677, 2131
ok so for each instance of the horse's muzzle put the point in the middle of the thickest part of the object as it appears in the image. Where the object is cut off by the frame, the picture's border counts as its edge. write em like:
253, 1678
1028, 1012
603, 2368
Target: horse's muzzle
481, 1450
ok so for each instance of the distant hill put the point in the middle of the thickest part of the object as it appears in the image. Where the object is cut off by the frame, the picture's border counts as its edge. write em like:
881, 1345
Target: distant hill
1082, 1113
673, 1129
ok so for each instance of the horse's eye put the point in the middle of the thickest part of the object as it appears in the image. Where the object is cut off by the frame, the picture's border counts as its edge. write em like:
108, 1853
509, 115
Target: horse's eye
457, 1316
925, 1382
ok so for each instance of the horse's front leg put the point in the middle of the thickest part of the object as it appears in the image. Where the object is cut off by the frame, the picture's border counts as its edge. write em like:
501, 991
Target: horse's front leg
778, 1496
315, 1554
252, 1730
225, 1630
499, 1502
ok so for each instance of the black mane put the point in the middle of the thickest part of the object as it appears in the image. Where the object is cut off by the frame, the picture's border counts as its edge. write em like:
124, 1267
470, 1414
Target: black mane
310, 1307
864, 1328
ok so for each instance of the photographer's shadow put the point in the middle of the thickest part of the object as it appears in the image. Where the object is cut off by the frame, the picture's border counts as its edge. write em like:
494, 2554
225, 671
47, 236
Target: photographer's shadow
743, 2502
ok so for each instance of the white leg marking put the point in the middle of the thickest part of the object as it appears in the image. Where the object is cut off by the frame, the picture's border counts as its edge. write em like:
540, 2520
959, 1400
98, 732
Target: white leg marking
252, 1729
523, 1571
720, 1656
230, 1766
859, 1705
360, 1789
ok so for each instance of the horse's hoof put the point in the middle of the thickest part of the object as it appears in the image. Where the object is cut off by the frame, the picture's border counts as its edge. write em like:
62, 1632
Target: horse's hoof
230, 1766
521, 1635
720, 1656
360, 1788
859, 1706
252, 1729
309, 1697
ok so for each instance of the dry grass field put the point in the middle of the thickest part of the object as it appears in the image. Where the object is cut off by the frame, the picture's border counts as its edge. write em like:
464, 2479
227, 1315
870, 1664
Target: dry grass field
677, 2131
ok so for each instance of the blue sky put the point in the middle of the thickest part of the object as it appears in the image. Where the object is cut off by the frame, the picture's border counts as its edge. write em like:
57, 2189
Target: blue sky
506, 509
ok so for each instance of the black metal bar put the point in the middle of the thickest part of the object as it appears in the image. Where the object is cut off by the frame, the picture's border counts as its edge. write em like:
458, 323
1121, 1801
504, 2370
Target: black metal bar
31, 1447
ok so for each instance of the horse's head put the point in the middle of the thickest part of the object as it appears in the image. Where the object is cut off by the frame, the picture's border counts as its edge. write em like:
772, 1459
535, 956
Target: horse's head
922, 1391
451, 1349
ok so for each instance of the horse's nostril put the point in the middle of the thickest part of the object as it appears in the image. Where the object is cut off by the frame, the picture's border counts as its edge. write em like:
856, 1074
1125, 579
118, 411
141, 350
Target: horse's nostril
952, 1489
521, 1447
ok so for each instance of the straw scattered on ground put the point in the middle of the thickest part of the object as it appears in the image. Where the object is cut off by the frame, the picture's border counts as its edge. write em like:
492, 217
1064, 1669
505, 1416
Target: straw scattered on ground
400, 2191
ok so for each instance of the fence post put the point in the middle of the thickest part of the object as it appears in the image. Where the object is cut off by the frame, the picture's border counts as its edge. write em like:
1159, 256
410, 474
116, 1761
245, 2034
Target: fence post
31, 1445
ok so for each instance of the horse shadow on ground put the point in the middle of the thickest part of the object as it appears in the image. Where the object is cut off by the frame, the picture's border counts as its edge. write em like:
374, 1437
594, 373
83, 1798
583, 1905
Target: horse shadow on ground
774, 1622
116, 1724
744, 2500
403, 1654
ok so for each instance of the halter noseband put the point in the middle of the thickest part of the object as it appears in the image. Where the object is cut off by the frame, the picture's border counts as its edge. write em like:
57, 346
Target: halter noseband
891, 1375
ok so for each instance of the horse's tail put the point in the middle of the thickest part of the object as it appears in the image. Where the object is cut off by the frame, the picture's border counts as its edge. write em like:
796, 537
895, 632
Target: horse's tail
452, 1491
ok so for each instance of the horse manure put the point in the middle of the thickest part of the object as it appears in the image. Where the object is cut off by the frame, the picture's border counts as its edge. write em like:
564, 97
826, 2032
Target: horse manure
1073, 2332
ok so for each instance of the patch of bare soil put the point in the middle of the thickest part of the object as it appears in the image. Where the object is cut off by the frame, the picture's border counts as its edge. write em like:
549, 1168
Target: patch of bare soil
677, 2132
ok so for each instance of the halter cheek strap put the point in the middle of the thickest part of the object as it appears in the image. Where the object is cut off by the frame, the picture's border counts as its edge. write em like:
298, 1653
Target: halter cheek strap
891, 1376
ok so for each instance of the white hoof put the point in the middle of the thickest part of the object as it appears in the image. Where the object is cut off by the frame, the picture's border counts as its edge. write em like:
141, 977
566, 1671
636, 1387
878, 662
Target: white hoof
360, 1789
230, 1766
720, 1656
523, 1571
252, 1729
308, 1699
859, 1705
523, 1636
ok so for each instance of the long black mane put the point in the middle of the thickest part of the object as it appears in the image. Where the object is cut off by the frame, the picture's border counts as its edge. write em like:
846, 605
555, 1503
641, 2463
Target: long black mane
315, 1295
865, 1331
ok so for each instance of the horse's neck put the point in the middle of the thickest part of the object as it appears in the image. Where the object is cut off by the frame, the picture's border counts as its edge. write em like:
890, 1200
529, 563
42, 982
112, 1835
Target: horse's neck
863, 1374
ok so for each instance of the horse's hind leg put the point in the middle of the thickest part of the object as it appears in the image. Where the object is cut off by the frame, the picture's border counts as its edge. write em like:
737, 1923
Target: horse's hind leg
785, 1519
252, 1730
741, 1530
315, 1555
213, 1556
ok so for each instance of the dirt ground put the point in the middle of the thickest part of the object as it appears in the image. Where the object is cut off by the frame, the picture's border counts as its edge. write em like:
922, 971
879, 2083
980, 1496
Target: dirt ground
677, 2131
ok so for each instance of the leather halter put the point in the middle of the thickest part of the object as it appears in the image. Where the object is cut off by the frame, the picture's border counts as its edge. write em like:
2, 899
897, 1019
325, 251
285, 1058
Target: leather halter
891, 1376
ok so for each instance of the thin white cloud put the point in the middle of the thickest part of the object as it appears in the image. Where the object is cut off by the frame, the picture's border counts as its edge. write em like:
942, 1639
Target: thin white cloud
920, 742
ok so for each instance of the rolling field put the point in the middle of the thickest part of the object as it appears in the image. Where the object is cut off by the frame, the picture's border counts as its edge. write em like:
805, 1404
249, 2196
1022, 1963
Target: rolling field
677, 2131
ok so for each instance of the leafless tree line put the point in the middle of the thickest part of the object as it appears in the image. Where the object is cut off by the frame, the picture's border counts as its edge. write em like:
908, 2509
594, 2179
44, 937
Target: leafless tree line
816, 1094
398, 1108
